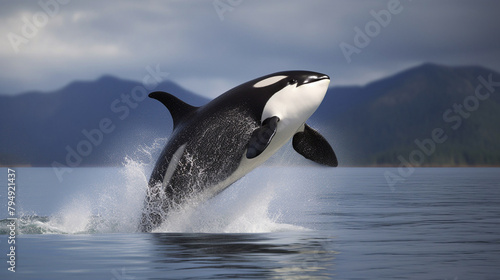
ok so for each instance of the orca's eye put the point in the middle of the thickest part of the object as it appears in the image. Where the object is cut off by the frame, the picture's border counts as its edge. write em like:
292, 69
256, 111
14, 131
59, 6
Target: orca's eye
292, 82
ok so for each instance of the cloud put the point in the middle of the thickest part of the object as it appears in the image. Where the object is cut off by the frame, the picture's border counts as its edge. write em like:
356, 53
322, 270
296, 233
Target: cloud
86, 39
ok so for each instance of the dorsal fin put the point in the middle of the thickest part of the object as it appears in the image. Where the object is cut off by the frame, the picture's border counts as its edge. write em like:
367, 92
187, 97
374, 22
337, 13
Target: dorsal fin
178, 108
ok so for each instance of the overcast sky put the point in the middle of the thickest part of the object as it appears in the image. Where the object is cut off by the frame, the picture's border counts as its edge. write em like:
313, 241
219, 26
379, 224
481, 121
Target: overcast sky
211, 46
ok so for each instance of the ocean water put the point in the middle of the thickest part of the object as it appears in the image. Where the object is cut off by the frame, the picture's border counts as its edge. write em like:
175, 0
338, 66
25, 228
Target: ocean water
302, 222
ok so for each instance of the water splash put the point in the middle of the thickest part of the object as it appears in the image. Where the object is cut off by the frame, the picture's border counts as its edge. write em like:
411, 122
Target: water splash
242, 208
115, 205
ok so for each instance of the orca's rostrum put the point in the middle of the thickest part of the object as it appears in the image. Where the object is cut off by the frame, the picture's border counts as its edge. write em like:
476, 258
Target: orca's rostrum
214, 145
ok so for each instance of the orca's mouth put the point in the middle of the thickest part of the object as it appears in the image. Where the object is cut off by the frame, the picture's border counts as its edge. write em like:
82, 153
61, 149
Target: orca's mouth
315, 78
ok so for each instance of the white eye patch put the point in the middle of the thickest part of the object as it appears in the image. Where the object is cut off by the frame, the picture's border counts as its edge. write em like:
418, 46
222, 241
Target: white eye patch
269, 81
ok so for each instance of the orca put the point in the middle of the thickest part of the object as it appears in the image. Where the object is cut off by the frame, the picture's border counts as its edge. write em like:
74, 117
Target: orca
214, 145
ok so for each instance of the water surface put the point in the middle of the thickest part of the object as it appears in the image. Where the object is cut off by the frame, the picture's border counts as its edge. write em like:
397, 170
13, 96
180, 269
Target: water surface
276, 223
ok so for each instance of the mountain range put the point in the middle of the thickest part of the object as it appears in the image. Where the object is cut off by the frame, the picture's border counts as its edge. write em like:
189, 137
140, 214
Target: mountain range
429, 115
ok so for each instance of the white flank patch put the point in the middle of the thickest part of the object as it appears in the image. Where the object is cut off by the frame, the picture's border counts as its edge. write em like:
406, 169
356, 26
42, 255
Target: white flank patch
173, 165
269, 81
